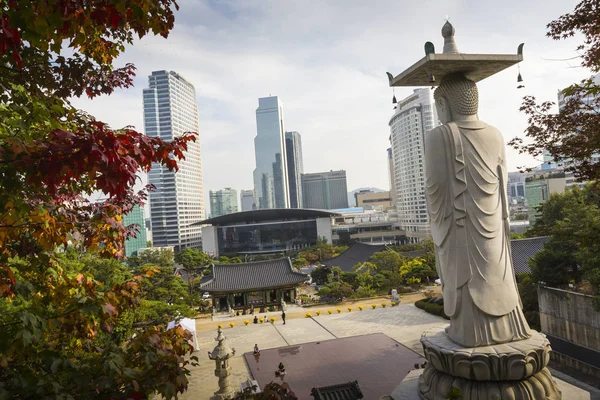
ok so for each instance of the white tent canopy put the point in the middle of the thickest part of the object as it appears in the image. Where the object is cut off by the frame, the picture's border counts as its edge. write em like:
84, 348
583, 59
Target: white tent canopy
190, 325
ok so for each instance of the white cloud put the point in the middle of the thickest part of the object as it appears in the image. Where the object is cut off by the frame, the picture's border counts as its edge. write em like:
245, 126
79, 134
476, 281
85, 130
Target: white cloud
327, 62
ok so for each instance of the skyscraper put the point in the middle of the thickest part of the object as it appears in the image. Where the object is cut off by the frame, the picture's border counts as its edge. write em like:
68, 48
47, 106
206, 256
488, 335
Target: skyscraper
271, 188
295, 167
170, 110
135, 216
247, 200
325, 190
223, 202
391, 176
413, 118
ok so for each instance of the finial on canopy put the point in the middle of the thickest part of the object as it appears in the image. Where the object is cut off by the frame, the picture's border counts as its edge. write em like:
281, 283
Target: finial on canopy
449, 43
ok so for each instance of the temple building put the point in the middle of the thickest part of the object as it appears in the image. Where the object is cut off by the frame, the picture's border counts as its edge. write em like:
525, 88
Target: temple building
258, 284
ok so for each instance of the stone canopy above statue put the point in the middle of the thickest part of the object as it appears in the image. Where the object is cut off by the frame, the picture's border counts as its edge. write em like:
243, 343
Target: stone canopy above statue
430, 70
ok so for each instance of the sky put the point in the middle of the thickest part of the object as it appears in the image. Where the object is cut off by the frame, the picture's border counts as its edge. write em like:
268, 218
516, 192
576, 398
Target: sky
327, 62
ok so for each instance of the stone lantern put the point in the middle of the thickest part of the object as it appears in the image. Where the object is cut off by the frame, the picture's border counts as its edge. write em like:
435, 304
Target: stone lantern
221, 355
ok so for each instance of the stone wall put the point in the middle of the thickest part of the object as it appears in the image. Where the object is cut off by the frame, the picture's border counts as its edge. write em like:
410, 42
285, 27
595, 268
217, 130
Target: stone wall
573, 328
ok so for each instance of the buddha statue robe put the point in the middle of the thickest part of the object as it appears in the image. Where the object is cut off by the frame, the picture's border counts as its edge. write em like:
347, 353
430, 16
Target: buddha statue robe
466, 195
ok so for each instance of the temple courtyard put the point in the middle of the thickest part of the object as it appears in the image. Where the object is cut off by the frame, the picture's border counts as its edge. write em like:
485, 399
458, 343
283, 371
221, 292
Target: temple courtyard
402, 324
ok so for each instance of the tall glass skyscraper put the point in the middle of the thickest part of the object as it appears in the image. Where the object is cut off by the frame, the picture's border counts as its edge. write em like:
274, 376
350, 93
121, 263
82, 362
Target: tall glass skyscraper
223, 202
135, 216
247, 200
295, 167
271, 188
413, 118
170, 110
325, 190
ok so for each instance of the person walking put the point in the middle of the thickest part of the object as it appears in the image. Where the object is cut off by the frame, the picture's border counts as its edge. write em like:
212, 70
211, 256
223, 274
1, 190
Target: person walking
283, 316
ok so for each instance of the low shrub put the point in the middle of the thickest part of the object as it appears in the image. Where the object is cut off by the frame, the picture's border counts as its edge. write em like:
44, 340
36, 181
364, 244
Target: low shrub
262, 320
318, 313
383, 305
220, 326
329, 311
246, 322
308, 315
374, 306
349, 309
360, 308
339, 310
231, 324
272, 320
431, 308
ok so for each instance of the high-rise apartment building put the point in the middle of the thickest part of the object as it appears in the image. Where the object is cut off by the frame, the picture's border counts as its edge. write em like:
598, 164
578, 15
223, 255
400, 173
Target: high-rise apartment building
223, 202
413, 118
295, 167
271, 188
247, 200
325, 190
170, 110
391, 176
135, 216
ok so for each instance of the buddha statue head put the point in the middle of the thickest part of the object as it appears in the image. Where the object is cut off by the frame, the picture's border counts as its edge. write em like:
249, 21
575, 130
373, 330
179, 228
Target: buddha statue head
456, 98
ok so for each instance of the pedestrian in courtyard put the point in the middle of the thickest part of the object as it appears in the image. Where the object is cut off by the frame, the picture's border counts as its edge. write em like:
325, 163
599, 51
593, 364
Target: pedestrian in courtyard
256, 319
283, 316
252, 310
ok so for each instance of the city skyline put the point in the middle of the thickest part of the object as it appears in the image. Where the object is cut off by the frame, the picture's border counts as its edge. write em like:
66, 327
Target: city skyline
332, 78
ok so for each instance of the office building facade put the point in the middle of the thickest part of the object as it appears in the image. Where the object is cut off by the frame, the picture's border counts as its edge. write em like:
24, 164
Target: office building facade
325, 190
413, 118
133, 244
247, 200
295, 167
392, 178
271, 188
170, 110
223, 202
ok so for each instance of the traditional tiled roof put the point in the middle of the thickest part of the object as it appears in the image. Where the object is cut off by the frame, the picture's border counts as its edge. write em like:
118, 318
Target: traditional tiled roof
523, 250
255, 275
357, 253
344, 391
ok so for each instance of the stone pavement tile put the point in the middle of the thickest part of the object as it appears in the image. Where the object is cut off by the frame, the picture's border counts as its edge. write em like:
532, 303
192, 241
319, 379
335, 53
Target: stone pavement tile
404, 323
302, 330
203, 382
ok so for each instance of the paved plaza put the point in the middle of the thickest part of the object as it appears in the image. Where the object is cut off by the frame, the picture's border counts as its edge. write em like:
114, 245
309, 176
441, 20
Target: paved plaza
403, 323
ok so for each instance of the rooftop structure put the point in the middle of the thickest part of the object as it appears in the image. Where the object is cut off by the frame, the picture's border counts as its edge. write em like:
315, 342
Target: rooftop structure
265, 231
358, 253
256, 284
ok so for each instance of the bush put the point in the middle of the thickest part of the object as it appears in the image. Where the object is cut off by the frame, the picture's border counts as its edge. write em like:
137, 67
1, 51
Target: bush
308, 315
339, 310
431, 308
246, 322
220, 326
272, 320
349, 309
383, 305
360, 308
318, 313
262, 320
374, 306
329, 311
231, 324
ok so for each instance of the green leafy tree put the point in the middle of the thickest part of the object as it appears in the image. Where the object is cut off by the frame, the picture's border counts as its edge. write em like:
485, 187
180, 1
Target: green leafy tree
58, 326
571, 135
351, 278
161, 257
194, 263
321, 275
571, 254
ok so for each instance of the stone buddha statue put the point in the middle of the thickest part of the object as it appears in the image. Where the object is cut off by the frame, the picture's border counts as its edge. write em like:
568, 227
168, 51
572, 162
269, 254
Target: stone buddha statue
487, 351
466, 195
